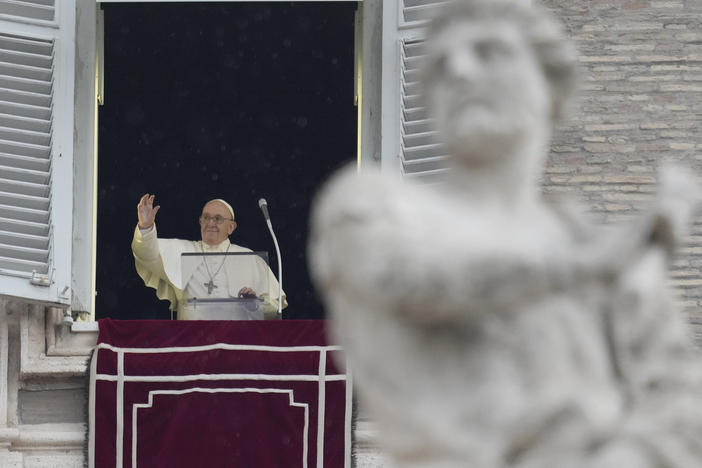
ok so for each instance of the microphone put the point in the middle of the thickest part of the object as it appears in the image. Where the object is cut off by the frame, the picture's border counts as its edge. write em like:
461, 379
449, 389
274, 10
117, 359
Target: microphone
263, 204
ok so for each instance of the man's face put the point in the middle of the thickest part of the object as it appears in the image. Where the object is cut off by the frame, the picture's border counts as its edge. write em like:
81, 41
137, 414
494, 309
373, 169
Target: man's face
485, 87
213, 233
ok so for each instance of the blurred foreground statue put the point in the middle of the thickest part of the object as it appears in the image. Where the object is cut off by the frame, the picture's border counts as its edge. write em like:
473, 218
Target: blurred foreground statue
485, 328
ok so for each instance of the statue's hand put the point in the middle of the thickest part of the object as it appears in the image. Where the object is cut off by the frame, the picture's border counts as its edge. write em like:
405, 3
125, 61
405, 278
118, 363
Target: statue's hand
146, 211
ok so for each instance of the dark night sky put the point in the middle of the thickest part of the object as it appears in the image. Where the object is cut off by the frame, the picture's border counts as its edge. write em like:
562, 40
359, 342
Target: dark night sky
231, 100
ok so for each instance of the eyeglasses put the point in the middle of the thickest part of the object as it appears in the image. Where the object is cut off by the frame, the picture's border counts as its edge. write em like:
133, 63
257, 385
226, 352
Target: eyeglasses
204, 219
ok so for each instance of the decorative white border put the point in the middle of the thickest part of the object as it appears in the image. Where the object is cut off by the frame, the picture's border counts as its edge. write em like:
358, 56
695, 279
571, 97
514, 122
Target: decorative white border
153, 393
191, 377
120, 379
232, 347
321, 408
119, 445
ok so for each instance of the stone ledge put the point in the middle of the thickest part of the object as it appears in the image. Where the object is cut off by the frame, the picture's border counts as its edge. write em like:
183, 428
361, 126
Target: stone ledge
85, 327
69, 338
8, 435
50, 437
53, 367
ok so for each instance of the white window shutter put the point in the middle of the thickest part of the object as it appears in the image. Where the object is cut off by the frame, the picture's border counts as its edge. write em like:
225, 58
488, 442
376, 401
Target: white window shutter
410, 142
34, 10
423, 157
25, 153
417, 12
37, 50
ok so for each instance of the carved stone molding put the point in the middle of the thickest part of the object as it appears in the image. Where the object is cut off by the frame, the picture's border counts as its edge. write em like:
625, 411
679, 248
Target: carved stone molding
43, 360
49, 347
4, 349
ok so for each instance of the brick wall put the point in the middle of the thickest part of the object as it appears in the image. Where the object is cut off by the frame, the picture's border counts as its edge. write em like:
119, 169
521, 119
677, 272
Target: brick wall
640, 104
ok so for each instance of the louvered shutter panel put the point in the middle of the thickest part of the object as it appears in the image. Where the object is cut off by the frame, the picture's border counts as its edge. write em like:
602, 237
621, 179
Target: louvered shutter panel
418, 12
36, 188
41, 10
421, 157
25, 154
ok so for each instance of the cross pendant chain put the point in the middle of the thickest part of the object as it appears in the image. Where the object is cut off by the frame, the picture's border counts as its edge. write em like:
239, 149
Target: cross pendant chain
210, 285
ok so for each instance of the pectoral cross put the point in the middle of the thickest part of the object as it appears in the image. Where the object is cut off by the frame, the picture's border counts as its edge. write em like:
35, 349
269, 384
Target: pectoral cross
210, 286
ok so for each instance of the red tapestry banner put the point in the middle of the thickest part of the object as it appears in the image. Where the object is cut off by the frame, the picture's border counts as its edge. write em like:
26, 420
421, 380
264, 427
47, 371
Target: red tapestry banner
218, 394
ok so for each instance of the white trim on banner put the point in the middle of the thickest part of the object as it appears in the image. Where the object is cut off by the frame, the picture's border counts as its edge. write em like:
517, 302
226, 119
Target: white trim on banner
321, 405
290, 393
231, 347
120, 378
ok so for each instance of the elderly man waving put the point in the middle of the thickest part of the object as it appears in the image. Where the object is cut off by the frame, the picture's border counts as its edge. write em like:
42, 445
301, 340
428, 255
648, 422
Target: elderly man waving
158, 262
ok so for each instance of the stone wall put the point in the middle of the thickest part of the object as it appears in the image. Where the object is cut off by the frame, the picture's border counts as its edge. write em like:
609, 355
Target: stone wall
640, 104
43, 387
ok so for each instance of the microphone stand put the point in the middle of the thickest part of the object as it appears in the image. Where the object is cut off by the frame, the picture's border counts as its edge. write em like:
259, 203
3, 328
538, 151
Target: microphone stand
262, 203
280, 270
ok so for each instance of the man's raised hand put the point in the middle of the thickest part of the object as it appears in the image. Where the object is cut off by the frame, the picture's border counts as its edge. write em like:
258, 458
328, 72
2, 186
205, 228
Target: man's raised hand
146, 211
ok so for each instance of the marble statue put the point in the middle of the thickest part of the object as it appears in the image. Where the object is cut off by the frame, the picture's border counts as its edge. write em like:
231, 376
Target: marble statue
485, 327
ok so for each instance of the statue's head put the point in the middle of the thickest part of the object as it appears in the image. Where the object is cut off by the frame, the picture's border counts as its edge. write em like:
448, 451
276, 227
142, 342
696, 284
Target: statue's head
496, 70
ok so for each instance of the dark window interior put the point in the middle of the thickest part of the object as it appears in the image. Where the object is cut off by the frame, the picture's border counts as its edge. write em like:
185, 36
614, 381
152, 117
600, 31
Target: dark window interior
220, 100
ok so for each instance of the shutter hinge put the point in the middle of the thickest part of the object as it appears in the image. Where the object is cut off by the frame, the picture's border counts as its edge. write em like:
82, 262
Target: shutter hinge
40, 280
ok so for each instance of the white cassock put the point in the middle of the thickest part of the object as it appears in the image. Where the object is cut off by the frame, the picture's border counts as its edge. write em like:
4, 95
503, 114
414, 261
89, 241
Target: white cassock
159, 263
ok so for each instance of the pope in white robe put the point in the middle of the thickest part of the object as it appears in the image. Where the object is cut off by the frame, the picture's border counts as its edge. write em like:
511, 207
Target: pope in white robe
209, 286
